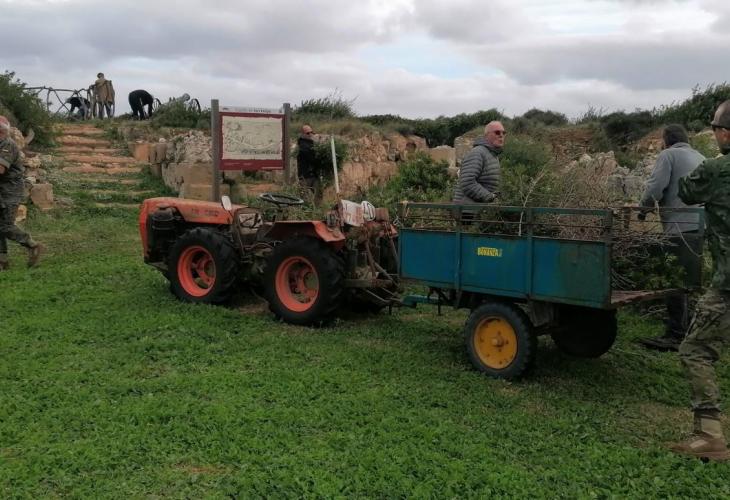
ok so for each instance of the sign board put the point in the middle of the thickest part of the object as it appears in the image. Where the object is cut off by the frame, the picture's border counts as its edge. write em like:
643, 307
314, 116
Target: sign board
251, 138
248, 139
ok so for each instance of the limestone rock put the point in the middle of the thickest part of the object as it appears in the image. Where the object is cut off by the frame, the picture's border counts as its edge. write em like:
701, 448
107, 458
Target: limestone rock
42, 196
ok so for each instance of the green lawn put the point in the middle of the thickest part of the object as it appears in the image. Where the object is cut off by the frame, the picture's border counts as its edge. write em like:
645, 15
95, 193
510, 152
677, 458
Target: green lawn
110, 387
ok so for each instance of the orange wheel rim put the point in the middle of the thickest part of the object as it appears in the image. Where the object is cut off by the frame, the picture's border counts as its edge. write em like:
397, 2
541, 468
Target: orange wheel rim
196, 271
297, 284
495, 342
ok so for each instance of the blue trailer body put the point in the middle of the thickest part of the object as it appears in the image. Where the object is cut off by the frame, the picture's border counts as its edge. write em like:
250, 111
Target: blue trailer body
524, 266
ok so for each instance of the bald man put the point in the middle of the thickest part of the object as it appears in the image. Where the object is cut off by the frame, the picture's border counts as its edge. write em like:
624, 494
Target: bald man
480, 171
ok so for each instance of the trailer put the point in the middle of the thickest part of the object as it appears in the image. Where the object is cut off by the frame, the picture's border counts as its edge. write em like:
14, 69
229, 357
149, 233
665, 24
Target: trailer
529, 271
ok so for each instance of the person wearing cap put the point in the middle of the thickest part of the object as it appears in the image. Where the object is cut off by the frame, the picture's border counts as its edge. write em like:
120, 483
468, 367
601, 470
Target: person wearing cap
676, 160
103, 96
307, 168
11, 194
709, 330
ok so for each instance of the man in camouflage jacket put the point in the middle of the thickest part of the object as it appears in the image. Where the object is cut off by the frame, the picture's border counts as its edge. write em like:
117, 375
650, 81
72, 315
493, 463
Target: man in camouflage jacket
11, 194
709, 330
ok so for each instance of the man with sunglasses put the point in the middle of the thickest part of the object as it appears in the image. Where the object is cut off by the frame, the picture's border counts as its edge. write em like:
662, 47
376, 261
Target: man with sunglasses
709, 331
480, 170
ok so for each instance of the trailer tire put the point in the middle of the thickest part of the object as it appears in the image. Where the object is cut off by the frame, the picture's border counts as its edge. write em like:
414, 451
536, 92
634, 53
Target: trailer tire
500, 340
202, 267
304, 281
585, 332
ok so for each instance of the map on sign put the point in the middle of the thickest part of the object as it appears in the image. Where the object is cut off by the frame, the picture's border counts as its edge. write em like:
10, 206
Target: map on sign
251, 138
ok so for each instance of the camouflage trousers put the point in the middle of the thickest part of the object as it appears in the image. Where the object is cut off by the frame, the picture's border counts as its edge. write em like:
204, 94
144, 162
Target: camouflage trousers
8, 229
708, 333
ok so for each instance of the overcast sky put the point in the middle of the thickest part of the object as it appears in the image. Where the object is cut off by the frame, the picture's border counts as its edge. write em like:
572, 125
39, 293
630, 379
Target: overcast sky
415, 58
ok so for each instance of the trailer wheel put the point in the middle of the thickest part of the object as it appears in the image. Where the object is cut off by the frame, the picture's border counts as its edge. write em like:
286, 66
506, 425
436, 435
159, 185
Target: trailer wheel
585, 332
500, 340
203, 267
304, 281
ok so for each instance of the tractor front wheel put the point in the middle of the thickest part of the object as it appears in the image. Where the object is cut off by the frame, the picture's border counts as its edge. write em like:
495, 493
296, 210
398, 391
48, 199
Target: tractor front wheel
203, 267
500, 340
304, 281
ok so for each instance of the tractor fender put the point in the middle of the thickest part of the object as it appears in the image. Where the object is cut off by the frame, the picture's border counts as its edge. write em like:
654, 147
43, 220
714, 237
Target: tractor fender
285, 230
192, 211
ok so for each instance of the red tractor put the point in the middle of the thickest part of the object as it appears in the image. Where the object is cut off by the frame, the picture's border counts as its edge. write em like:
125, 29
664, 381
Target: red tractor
307, 269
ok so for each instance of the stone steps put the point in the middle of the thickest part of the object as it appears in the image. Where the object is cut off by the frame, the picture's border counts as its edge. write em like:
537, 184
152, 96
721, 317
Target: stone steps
85, 130
88, 150
75, 140
100, 159
90, 169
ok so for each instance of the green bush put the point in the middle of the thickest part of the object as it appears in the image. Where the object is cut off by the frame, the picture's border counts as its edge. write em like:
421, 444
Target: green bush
623, 128
698, 110
181, 115
323, 157
332, 106
525, 169
420, 178
705, 144
549, 118
26, 108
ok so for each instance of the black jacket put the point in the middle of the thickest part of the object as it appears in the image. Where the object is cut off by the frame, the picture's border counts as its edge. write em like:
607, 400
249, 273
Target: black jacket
305, 158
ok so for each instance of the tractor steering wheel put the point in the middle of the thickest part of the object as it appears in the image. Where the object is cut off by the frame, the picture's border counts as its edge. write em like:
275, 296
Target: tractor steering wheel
281, 200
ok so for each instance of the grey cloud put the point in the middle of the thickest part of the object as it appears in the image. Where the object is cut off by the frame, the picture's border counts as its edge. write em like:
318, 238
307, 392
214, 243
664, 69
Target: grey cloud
635, 63
474, 21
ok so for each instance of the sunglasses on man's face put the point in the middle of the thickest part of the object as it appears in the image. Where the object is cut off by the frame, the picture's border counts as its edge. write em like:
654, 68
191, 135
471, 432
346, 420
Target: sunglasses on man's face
499, 132
715, 127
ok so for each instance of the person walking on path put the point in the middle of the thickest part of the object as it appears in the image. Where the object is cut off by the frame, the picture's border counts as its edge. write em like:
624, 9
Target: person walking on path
11, 194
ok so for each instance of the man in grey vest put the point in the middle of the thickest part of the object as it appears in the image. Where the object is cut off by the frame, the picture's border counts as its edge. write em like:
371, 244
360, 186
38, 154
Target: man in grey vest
677, 160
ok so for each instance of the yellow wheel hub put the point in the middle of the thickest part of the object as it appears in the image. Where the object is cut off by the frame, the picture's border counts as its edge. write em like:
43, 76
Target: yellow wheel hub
495, 342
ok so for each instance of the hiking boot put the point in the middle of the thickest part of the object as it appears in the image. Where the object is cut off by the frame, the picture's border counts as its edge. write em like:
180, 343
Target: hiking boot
663, 343
707, 442
34, 254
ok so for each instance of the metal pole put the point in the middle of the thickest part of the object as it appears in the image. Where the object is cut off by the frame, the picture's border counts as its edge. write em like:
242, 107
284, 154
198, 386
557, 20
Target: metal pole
334, 165
286, 144
215, 133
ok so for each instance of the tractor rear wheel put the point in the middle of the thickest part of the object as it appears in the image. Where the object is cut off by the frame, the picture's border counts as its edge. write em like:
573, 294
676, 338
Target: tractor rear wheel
500, 340
585, 332
304, 281
203, 267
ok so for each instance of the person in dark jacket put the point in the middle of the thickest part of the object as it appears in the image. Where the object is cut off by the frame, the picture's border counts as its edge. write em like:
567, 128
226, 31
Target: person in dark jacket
307, 168
480, 171
81, 104
677, 160
138, 99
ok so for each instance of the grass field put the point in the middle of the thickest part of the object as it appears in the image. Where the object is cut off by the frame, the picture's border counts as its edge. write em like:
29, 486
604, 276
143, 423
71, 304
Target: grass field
109, 387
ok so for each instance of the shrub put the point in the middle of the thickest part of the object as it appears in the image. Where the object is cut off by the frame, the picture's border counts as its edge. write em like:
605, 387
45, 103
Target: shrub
549, 118
180, 114
623, 128
420, 178
323, 157
698, 110
26, 108
332, 106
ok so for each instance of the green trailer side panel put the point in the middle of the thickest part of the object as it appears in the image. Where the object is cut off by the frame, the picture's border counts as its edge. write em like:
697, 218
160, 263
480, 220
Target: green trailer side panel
563, 271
